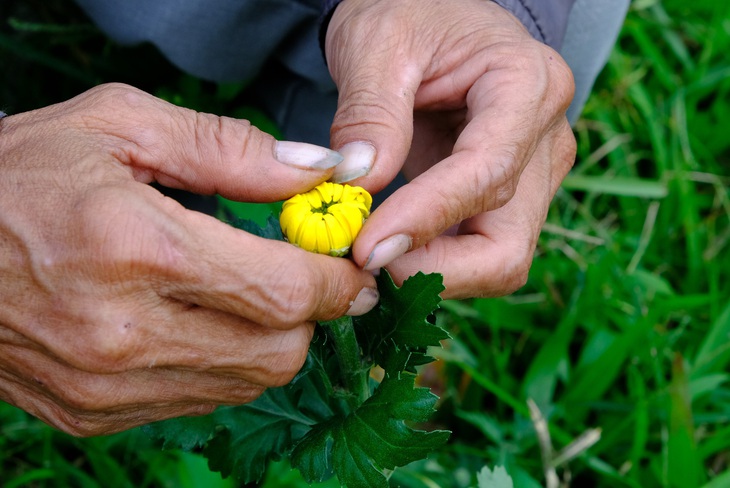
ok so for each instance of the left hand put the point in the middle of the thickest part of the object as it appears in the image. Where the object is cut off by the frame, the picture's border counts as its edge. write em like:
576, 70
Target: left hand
471, 108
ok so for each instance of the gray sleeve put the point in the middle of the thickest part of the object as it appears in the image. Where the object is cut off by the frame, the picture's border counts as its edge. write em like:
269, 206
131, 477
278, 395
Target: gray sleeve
545, 19
593, 29
220, 40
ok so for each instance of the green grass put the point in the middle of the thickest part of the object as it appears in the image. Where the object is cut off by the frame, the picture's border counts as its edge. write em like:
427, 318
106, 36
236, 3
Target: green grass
624, 325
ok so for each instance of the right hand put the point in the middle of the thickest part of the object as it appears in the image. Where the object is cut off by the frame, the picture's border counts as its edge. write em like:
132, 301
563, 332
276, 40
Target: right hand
118, 307
471, 109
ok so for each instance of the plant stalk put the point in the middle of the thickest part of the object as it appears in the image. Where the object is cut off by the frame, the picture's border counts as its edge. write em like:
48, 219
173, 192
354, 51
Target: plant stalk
347, 350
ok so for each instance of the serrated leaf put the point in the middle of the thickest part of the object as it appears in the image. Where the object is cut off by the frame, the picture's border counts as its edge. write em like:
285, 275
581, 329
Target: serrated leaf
360, 447
397, 334
256, 433
313, 417
242, 440
494, 479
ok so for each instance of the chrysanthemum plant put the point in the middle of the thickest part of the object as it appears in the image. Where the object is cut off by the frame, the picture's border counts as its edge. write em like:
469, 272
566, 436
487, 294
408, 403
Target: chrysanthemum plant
334, 418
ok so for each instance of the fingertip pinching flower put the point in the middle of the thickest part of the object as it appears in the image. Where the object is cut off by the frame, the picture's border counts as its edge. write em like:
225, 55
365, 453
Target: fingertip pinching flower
327, 218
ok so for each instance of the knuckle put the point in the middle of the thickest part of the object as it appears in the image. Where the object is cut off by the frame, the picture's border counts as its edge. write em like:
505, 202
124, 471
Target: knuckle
447, 210
82, 424
517, 279
118, 239
360, 28
213, 136
512, 274
78, 399
104, 342
495, 182
119, 89
544, 73
296, 297
517, 270
568, 149
107, 352
114, 93
562, 76
367, 107
288, 360
559, 82
281, 376
75, 425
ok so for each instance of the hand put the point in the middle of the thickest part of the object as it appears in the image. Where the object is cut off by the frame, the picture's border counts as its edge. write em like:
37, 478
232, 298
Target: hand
119, 307
472, 109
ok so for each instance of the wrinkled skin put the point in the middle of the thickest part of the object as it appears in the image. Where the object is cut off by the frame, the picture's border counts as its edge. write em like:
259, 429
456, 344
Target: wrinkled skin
471, 108
119, 307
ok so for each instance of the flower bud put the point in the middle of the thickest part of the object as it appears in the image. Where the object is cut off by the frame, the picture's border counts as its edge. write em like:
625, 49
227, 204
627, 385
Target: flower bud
326, 219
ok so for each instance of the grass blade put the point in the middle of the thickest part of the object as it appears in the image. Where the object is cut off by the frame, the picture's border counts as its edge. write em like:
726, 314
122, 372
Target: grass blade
617, 185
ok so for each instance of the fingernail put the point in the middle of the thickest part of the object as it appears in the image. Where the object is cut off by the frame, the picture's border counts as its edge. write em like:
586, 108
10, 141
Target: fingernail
306, 156
387, 250
359, 159
364, 302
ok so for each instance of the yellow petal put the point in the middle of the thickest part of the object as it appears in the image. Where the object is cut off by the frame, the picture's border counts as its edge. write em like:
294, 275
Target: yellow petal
314, 199
306, 238
327, 218
326, 192
292, 217
349, 217
338, 192
339, 235
358, 194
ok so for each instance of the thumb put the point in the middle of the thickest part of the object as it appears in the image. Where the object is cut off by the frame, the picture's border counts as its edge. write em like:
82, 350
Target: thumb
373, 125
207, 154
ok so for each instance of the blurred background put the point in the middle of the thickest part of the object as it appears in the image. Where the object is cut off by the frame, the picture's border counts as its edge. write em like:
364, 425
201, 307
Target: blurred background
618, 347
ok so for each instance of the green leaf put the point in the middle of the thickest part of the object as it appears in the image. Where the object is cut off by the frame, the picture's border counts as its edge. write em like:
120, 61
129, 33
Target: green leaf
683, 463
193, 473
714, 353
256, 433
363, 446
312, 417
186, 433
721, 481
271, 230
397, 333
231, 211
542, 375
494, 479
239, 441
616, 185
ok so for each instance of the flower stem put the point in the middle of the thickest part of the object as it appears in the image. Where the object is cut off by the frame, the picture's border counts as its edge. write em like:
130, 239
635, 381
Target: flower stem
347, 350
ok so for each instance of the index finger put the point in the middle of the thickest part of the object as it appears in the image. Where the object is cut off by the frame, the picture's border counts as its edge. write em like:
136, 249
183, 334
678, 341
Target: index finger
492, 253
268, 282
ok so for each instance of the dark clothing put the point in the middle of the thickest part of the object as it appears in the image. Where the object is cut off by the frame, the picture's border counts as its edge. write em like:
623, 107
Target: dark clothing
276, 43
545, 19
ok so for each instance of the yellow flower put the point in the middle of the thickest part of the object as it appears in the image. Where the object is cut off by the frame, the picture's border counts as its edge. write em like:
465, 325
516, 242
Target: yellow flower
326, 219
